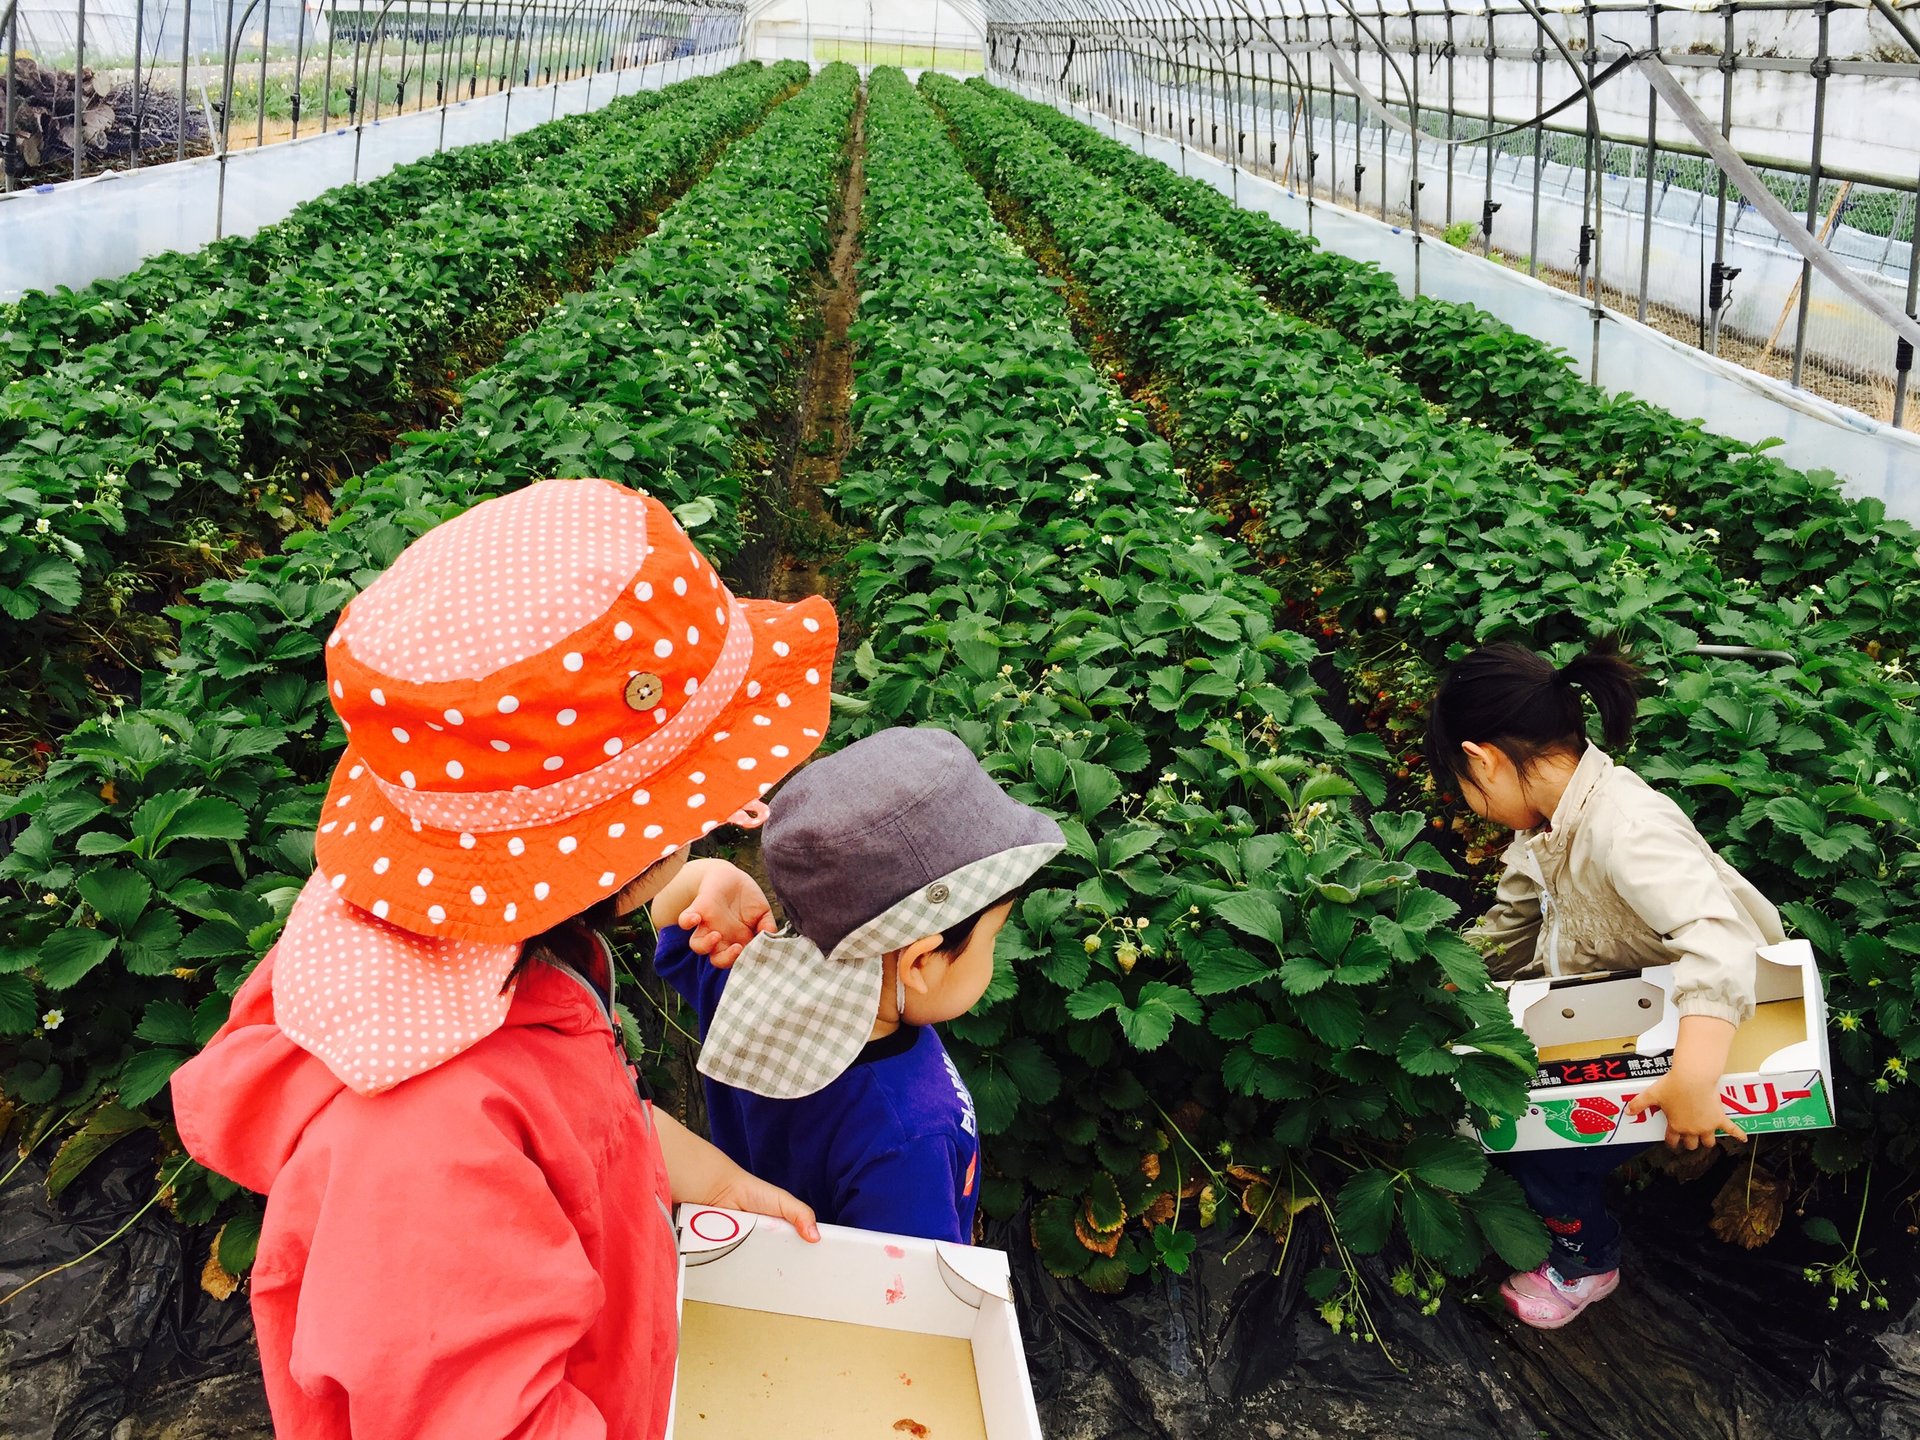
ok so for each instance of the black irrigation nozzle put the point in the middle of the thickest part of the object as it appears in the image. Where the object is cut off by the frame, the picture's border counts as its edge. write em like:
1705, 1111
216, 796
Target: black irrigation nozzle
1358, 171
1720, 284
1902, 355
1586, 246
1313, 163
1487, 211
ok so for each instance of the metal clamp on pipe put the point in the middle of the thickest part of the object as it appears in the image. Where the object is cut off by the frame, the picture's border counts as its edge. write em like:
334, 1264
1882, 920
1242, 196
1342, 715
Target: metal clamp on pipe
1720, 278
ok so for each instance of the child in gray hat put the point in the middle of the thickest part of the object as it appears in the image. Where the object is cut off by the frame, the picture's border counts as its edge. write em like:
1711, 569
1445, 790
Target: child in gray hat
896, 861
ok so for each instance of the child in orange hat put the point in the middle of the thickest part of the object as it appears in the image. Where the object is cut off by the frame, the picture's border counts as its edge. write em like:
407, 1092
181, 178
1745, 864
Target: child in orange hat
468, 1230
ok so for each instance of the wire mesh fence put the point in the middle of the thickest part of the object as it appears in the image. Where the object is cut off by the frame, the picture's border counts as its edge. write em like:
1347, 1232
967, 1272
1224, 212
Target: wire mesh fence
98, 85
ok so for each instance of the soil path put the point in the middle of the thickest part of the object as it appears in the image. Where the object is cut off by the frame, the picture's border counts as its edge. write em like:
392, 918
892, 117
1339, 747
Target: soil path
826, 422
793, 535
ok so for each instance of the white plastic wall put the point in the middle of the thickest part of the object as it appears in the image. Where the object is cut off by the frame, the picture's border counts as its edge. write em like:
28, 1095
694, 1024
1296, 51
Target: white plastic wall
1613, 352
73, 234
1839, 332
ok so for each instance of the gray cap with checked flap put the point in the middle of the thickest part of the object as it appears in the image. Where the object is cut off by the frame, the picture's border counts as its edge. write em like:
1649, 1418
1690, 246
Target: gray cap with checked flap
898, 836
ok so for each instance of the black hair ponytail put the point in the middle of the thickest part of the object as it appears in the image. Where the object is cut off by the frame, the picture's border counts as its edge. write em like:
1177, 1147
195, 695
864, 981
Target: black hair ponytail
1612, 682
1506, 695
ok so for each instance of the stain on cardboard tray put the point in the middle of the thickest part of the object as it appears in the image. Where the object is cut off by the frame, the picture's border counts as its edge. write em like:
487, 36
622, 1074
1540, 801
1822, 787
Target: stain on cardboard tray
913, 1428
897, 1291
894, 1252
820, 1367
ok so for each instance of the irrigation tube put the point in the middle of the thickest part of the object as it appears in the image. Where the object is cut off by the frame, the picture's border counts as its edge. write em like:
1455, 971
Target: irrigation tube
1769, 208
1387, 117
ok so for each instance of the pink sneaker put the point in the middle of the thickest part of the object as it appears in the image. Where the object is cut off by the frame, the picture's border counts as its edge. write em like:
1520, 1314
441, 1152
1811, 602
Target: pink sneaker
1542, 1299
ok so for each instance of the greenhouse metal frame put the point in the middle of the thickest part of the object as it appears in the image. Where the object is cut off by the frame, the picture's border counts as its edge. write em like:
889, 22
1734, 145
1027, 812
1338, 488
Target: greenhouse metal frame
1518, 108
453, 48
1315, 93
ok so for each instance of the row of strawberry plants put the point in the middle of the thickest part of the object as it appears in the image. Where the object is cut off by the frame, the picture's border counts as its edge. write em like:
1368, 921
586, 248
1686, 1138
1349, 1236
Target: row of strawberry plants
42, 329
1772, 524
1232, 993
163, 847
121, 464
1416, 537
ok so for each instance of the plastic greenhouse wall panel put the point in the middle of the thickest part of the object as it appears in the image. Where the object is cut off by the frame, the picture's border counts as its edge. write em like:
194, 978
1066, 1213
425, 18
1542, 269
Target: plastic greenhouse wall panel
1620, 354
112, 222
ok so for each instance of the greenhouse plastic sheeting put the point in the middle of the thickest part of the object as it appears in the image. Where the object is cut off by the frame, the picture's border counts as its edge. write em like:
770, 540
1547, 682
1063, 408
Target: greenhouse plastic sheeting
74, 234
1701, 1342
127, 1330
1621, 355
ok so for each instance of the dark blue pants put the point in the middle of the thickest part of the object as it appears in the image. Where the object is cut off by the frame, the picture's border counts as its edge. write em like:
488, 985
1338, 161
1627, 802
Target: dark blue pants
1568, 1190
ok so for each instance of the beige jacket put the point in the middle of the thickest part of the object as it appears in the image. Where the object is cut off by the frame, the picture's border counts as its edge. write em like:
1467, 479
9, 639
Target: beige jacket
1620, 879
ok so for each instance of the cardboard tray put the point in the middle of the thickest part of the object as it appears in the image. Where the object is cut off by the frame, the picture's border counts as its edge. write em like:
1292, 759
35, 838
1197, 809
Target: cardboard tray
1604, 1038
860, 1277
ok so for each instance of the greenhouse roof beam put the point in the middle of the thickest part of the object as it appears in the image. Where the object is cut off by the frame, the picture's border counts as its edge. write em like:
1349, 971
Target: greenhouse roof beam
974, 12
1012, 13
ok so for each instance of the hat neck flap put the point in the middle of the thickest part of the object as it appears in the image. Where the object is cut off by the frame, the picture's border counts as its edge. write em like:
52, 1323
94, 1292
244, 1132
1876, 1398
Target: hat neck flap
792, 1018
376, 1004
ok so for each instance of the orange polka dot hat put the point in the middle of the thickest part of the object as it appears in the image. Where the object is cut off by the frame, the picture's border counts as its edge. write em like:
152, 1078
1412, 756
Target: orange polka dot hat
542, 697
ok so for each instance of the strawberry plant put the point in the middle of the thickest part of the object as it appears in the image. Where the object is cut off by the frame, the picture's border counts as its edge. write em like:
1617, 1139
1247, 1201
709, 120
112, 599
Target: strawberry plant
160, 847
1233, 989
126, 466
42, 329
1413, 536
1772, 524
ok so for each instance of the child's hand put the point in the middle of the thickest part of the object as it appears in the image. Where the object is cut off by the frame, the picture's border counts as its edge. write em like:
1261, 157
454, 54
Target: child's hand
757, 1197
702, 1174
1689, 1093
1694, 1114
727, 910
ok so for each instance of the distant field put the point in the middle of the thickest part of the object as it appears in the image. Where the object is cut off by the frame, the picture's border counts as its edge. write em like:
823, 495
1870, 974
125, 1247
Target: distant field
907, 57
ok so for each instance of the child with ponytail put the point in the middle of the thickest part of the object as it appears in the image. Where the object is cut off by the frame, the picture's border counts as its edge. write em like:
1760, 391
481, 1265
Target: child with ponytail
1605, 873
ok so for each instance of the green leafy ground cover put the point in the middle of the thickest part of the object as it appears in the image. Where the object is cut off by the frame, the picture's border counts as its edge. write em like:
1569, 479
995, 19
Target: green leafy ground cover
1414, 535
156, 457
1771, 524
164, 847
1237, 992
1232, 994
43, 328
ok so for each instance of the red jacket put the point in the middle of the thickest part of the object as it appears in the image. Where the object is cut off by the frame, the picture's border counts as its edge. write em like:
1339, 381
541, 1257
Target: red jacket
485, 1251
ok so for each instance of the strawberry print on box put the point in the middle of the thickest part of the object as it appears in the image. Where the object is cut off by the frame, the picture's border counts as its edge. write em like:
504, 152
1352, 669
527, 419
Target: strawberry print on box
1603, 1040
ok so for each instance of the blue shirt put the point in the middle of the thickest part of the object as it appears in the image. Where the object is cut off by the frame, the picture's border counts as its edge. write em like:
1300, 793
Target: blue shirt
890, 1145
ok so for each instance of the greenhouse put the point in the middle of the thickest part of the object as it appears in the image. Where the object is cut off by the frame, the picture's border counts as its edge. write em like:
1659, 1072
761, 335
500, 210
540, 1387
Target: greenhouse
1127, 718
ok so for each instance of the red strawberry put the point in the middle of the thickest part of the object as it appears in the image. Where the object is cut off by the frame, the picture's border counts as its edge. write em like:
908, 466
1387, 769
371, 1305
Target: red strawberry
1594, 1115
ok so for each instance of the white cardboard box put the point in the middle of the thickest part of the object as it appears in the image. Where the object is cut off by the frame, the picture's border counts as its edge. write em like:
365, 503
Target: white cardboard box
917, 1288
1604, 1038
